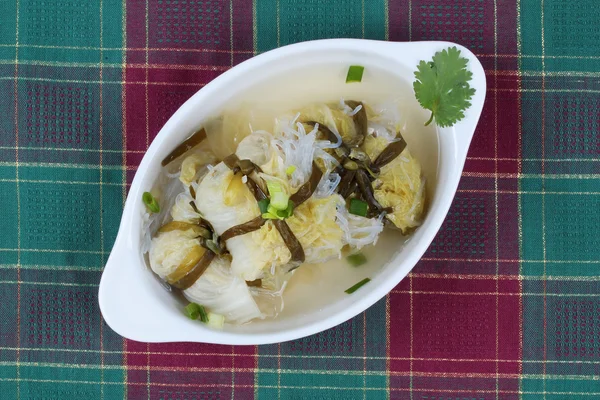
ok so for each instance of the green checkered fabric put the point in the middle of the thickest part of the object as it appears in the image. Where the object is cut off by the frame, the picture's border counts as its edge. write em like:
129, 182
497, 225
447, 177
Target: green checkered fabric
504, 304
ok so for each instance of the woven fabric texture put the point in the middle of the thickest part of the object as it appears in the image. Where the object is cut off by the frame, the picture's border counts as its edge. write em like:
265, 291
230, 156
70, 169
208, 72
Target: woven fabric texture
505, 304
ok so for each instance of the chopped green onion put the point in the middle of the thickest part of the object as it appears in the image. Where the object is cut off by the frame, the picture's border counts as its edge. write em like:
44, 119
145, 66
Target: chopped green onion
356, 259
192, 311
290, 209
269, 216
215, 320
358, 207
355, 73
273, 211
150, 202
195, 311
203, 314
279, 201
280, 214
274, 187
290, 170
277, 214
357, 286
263, 205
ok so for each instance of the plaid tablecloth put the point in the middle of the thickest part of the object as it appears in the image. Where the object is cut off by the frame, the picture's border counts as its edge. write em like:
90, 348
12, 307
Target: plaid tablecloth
504, 305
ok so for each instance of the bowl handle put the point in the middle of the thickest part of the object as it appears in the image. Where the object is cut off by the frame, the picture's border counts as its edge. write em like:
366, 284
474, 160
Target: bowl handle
130, 299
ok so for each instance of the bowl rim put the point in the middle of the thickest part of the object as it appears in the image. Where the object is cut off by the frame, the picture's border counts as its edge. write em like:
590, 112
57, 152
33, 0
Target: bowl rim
124, 241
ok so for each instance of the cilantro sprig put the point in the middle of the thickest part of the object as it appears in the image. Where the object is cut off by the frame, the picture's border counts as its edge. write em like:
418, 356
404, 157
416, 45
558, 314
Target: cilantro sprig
442, 86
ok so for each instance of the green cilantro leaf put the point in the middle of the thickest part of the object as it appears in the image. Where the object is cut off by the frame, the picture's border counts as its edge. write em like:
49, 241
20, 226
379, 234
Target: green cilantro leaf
442, 86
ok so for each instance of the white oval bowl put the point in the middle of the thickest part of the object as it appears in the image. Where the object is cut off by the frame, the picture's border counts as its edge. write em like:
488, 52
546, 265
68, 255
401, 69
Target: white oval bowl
135, 305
